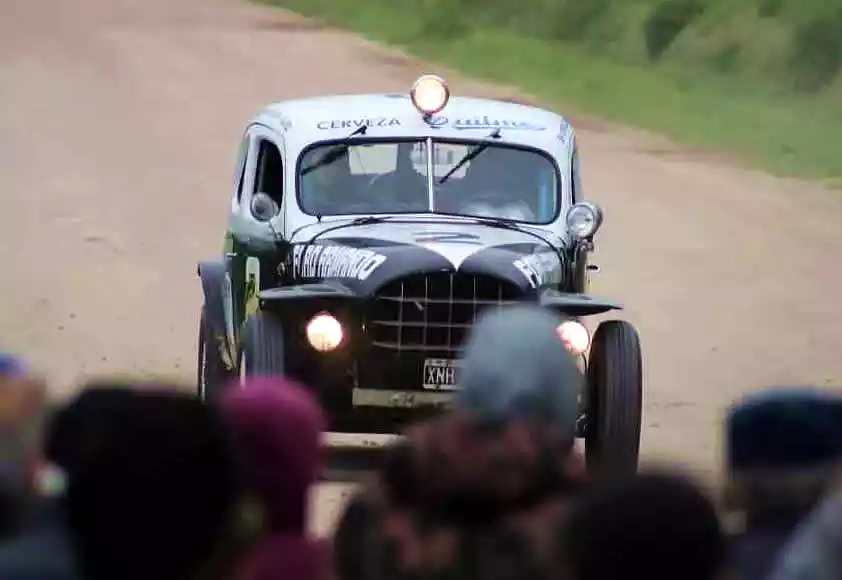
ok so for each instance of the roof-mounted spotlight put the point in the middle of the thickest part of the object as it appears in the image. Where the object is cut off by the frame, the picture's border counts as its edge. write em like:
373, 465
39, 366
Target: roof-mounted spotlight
430, 94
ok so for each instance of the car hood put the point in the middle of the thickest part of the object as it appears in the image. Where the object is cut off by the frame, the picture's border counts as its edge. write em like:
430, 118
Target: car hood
367, 256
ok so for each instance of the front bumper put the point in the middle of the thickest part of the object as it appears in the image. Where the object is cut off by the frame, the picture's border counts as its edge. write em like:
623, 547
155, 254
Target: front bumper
369, 392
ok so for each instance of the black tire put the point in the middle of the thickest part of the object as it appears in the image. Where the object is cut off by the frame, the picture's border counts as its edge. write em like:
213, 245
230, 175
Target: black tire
614, 401
263, 346
211, 374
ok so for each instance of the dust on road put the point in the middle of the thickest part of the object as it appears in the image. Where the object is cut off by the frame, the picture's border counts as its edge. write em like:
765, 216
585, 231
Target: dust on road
119, 122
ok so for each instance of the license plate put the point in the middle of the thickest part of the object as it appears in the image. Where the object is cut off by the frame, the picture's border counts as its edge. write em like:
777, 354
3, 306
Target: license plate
440, 374
400, 399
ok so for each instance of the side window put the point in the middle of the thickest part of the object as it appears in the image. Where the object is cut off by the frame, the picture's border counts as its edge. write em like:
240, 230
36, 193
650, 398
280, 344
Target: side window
269, 178
240, 175
576, 180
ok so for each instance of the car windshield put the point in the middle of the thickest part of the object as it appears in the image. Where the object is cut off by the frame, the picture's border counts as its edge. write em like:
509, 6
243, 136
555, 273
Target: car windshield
498, 181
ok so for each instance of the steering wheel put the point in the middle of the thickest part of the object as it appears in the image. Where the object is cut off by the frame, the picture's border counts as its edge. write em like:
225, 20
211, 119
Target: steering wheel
499, 203
493, 197
375, 179
401, 205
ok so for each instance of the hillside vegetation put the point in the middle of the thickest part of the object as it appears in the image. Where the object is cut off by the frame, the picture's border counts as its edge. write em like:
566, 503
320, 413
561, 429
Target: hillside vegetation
758, 77
790, 44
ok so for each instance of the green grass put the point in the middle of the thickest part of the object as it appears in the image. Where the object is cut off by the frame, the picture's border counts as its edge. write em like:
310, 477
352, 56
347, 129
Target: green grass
725, 78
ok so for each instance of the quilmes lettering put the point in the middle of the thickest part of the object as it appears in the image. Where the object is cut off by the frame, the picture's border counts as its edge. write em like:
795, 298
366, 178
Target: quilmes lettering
335, 262
564, 130
357, 123
541, 268
486, 122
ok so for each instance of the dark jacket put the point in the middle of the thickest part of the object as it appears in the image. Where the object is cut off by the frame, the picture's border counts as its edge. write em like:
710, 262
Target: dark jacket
463, 499
42, 551
754, 552
814, 551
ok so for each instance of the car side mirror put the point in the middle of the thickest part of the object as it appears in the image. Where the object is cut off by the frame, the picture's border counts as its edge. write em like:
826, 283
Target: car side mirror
263, 207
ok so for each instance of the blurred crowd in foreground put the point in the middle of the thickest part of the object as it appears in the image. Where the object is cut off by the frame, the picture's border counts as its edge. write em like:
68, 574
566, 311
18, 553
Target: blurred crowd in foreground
134, 480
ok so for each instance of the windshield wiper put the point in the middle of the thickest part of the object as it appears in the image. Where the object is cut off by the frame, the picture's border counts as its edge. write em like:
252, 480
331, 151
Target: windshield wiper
472, 154
335, 153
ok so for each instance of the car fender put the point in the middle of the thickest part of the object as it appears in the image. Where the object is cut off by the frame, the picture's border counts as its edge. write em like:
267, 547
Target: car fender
575, 304
216, 288
327, 289
289, 300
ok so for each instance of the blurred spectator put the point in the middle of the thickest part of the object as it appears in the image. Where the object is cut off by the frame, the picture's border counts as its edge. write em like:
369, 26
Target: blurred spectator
151, 481
277, 427
478, 493
656, 526
783, 453
516, 366
814, 551
23, 401
41, 547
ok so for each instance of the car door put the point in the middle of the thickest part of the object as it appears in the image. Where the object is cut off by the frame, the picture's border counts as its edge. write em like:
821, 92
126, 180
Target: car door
232, 291
256, 258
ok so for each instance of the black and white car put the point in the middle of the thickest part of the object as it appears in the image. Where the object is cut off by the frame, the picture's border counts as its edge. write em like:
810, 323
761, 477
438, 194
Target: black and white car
367, 231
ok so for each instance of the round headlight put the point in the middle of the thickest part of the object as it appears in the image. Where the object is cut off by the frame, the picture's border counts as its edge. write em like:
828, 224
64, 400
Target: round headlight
324, 332
575, 336
430, 94
584, 219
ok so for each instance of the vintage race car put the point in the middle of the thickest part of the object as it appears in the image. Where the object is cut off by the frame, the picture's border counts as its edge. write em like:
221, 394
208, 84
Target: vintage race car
366, 233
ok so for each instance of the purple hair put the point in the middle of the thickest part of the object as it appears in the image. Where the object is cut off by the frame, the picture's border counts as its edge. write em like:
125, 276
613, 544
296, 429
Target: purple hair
277, 426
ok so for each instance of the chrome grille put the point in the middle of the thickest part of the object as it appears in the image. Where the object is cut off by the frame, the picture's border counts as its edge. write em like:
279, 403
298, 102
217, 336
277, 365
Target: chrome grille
432, 313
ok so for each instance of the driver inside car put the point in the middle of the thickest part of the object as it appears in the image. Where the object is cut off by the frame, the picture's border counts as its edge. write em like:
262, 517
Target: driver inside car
493, 187
404, 189
327, 188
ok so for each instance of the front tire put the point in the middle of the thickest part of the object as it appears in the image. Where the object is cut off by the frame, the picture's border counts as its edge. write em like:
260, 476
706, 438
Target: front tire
615, 400
212, 374
263, 346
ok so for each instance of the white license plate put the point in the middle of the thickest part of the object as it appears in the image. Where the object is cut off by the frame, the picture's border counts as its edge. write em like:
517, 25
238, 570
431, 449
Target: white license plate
440, 374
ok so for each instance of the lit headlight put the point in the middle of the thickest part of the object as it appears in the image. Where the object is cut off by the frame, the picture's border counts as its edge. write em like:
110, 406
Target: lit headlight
584, 219
430, 94
575, 336
324, 332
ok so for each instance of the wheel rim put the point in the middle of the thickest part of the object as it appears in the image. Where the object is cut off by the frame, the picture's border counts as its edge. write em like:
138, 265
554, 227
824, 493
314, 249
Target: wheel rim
241, 371
203, 383
203, 365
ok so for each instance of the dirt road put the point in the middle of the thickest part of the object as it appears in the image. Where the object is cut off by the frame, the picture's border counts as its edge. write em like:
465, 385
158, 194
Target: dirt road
118, 126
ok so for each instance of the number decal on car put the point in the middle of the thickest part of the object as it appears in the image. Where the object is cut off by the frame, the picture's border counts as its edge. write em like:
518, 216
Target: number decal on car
252, 284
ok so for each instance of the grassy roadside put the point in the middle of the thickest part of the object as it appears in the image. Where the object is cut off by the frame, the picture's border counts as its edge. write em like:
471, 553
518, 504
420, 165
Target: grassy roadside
784, 132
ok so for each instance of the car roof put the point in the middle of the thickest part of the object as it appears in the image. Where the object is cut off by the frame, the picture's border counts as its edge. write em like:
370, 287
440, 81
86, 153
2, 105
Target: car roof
308, 120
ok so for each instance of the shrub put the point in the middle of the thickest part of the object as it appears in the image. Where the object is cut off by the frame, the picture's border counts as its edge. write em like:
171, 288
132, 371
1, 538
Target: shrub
668, 19
769, 8
725, 59
444, 19
577, 17
817, 51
